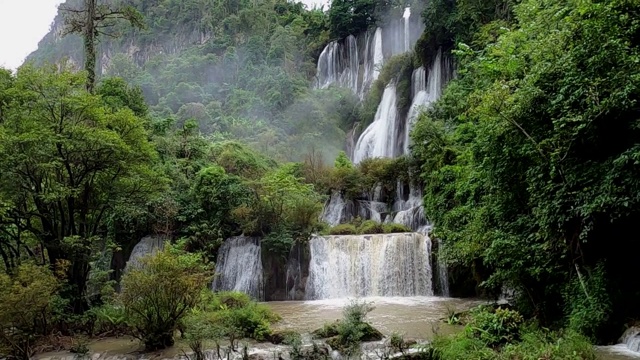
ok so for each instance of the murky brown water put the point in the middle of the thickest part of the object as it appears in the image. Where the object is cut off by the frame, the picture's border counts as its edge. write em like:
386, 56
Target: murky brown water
414, 317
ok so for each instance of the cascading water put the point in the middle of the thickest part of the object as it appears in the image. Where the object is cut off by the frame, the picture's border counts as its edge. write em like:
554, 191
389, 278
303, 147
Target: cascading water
407, 29
424, 94
443, 273
379, 138
147, 246
631, 339
239, 267
369, 265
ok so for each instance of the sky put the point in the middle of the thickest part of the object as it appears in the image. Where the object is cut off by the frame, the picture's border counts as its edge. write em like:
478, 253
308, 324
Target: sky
23, 23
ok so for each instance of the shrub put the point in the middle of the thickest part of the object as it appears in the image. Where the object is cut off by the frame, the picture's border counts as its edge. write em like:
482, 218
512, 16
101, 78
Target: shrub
587, 303
395, 228
371, 227
229, 299
26, 300
343, 229
496, 328
111, 320
353, 329
237, 316
158, 295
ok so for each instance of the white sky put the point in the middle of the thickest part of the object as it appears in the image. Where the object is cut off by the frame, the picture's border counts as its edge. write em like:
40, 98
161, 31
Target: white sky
23, 23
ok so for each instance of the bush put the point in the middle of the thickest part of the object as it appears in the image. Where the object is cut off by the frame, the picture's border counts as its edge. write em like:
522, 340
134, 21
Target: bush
352, 329
371, 227
588, 306
343, 229
26, 302
229, 300
496, 328
235, 316
395, 228
111, 320
157, 296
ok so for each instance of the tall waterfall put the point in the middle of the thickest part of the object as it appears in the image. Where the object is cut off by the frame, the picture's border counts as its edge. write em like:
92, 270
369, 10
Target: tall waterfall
239, 266
369, 265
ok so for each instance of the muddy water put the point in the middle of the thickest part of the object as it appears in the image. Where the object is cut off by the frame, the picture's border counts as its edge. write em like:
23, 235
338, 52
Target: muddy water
414, 317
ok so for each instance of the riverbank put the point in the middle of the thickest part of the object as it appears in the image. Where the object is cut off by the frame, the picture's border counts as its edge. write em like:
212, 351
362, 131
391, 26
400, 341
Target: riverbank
416, 318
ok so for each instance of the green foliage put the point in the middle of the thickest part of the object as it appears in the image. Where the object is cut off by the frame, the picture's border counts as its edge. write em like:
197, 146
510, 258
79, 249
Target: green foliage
159, 294
283, 205
232, 315
353, 329
110, 320
70, 164
496, 327
343, 229
528, 158
535, 344
587, 304
342, 161
26, 309
395, 228
371, 227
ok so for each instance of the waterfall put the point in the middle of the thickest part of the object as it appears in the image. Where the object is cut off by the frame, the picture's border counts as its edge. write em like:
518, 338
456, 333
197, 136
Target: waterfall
355, 62
239, 266
631, 339
443, 272
379, 138
369, 265
424, 94
407, 31
147, 246
338, 64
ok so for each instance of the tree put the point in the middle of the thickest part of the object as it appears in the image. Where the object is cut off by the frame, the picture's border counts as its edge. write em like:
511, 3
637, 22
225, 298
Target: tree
161, 293
67, 162
92, 20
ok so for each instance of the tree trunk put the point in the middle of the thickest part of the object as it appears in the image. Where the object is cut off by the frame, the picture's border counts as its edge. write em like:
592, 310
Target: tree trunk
90, 45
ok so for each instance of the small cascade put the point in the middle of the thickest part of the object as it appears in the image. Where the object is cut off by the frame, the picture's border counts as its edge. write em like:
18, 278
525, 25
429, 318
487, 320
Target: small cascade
332, 212
147, 246
631, 339
443, 272
369, 265
239, 267
380, 138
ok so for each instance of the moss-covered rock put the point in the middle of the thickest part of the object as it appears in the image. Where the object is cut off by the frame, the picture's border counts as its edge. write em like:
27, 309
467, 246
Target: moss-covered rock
326, 331
370, 333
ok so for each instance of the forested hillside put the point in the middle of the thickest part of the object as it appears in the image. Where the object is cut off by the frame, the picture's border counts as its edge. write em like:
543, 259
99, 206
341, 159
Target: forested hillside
240, 69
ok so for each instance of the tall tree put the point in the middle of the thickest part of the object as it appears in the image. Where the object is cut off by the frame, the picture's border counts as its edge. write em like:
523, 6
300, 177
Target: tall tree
67, 162
92, 20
